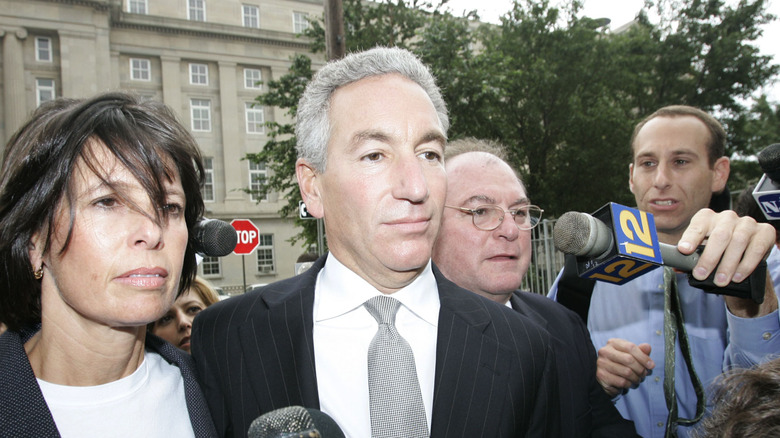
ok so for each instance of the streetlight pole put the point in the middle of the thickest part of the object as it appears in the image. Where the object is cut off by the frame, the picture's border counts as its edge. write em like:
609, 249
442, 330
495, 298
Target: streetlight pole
334, 29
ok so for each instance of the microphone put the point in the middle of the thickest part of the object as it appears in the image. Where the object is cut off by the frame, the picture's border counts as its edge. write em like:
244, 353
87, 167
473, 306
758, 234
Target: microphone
767, 191
213, 237
618, 244
583, 235
294, 422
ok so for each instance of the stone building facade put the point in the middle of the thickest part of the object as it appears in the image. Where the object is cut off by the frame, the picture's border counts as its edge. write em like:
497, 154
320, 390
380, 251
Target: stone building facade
203, 58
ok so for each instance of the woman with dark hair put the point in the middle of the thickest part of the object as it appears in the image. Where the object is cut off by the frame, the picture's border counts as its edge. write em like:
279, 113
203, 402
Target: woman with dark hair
96, 201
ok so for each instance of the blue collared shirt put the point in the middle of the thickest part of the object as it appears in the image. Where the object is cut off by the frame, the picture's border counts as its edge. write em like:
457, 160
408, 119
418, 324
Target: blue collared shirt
718, 339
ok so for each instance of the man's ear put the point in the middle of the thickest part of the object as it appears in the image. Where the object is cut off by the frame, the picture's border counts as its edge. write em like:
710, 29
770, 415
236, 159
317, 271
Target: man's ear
309, 184
631, 177
721, 171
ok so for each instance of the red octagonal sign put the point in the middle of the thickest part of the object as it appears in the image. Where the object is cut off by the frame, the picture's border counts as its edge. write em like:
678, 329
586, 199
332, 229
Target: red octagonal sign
248, 236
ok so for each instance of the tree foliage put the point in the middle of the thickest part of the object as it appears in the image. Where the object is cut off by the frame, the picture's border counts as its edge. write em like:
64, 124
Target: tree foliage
561, 91
279, 152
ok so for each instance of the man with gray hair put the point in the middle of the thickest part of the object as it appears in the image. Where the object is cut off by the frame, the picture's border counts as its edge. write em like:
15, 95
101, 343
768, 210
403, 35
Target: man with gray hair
372, 334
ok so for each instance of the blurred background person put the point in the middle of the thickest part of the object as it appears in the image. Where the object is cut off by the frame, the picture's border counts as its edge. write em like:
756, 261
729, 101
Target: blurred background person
745, 404
176, 325
97, 198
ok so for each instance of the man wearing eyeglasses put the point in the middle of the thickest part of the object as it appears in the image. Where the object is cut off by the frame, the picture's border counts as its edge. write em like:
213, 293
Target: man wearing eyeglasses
484, 245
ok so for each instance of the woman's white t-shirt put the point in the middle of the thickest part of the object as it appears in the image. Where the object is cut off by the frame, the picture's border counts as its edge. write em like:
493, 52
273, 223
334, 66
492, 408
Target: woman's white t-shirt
148, 403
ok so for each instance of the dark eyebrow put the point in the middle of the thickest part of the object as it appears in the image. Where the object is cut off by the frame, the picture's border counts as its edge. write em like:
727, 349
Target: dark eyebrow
434, 136
644, 155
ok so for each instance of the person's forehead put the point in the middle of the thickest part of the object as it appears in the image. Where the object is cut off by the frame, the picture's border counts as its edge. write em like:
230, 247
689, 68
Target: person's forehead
471, 175
376, 106
672, 136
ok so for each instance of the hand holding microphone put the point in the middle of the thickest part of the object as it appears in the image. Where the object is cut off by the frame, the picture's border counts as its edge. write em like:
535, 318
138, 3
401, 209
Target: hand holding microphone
618, 244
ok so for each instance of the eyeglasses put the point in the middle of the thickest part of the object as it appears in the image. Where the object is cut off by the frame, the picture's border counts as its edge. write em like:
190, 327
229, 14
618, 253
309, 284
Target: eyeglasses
490, 217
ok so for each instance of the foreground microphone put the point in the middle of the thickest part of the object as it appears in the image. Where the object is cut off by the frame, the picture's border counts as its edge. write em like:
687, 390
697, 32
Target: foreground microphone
583, 235
213, 238
767, 191
294, 422
618, 244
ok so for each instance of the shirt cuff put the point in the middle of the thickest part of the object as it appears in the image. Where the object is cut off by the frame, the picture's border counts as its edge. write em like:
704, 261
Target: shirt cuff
754, 338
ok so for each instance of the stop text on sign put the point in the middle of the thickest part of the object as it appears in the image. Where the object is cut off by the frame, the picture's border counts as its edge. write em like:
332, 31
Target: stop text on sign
248, 236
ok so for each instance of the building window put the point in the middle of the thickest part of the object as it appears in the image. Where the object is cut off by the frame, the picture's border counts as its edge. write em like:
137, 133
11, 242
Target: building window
196, 10
140, 69
254, 119
44, 90
251, 15
257, 176
200, 109
43, 49
265, 254
252, 78
136, 6
211, 266
208, 179
199, 74
300, 22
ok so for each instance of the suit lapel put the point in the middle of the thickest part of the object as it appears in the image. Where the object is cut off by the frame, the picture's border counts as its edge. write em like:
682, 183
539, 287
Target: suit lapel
21, 399
521, 307
471, 378
276, 343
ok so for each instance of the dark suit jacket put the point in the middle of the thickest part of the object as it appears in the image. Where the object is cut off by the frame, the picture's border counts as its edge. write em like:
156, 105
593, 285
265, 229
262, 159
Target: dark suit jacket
23, 410
586, 410
495, 370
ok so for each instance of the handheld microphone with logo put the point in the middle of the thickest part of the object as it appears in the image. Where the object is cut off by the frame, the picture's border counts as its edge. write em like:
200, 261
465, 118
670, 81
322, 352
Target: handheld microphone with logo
618, 244
767, 191
213, 238
294, 422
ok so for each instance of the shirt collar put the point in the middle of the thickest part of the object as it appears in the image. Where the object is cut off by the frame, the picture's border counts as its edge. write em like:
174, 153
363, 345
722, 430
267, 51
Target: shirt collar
339, 290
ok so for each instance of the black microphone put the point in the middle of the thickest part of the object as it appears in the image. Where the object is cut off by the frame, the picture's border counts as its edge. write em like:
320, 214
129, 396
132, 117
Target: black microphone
767, 191
294, 422
213, 237
618, 244
769, 160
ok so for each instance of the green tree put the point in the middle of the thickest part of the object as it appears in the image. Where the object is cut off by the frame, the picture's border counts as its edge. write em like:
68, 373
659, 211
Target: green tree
567, 94
754, 131
279, 153
558, 89
553, 107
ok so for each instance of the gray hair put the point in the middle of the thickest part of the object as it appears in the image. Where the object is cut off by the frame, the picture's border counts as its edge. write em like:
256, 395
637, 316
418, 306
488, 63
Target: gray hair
313, 125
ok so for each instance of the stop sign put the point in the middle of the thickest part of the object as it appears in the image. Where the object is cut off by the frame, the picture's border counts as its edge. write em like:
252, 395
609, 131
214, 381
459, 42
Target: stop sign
248, 236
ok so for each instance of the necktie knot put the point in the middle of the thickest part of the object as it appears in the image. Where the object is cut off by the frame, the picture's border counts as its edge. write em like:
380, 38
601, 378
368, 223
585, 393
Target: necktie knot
383, 309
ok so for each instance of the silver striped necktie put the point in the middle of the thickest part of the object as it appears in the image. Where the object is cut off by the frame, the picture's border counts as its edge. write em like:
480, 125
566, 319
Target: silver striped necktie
397, 409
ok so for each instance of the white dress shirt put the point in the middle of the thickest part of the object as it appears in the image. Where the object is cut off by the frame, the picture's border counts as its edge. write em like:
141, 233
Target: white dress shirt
343, 330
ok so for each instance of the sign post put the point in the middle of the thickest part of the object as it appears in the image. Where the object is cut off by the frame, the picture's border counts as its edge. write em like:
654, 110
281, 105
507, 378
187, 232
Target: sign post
248, 239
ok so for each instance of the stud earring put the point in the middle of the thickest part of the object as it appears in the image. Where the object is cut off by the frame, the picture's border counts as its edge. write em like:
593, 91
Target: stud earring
38, 273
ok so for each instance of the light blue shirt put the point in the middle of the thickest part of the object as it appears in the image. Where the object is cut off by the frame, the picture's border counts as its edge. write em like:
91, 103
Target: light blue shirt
718, 339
